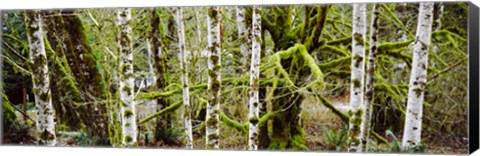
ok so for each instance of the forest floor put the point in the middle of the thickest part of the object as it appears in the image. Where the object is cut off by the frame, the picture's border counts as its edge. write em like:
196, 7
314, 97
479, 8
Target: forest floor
317, 121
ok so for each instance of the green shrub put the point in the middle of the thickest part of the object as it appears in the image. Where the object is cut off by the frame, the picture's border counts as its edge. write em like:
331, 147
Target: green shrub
337, 139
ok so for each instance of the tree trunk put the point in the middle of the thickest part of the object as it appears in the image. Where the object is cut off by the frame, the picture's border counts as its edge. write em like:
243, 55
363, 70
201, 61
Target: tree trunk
129, 125
370, 80
41, 82
214, 78
157, 36
184, 76
244, 35
84, 81
357, 77
418, 77
254, 80
287, 131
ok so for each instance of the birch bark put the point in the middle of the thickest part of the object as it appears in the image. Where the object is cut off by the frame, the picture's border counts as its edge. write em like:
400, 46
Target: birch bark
357, 77
183, 65
418, 77
370, 80
38, 66
254, 80
129, 125
214, 78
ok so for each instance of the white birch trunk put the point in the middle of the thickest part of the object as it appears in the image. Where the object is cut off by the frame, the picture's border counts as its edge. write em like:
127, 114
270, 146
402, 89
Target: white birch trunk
41, 83
254, 80
183, 65
244, 35
418, 77
214, 79
357, 77
129, 124
370, 80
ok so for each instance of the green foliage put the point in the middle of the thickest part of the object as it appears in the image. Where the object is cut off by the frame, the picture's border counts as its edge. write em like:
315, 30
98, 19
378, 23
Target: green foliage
86, 140
169, 135
8, 115
336, 138
395, 146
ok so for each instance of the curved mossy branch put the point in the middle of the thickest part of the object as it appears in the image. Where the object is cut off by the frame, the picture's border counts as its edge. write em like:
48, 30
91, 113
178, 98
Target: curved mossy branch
342, 41
169, 109
243, 127
337, 63
231, 123
298, 50
444, 32
339, 73
330, 106
310, 62
396, 45
336, 21
397, 21
335, 50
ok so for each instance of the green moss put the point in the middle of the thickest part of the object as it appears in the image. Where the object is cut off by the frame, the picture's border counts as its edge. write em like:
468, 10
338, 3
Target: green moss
356, 83
231, 123
335, 50
392, 46
418, 91
128, 113
126, 88
128, 139
169, 109
358, 38
340, 62
253, 120
9, 117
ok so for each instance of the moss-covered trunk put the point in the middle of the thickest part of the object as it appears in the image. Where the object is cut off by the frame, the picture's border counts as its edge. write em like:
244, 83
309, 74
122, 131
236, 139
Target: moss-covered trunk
287, 131
159, 44
65, 92
127, 109
78, 67
355, 111
38, 65
254, 79
214, 79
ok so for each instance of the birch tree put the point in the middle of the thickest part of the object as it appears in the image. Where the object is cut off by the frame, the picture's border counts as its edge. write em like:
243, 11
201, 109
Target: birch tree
214, 78
254, 79
244, 34
357, 76
183, 65
41, 83
370, 80
129, 125
418, 77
